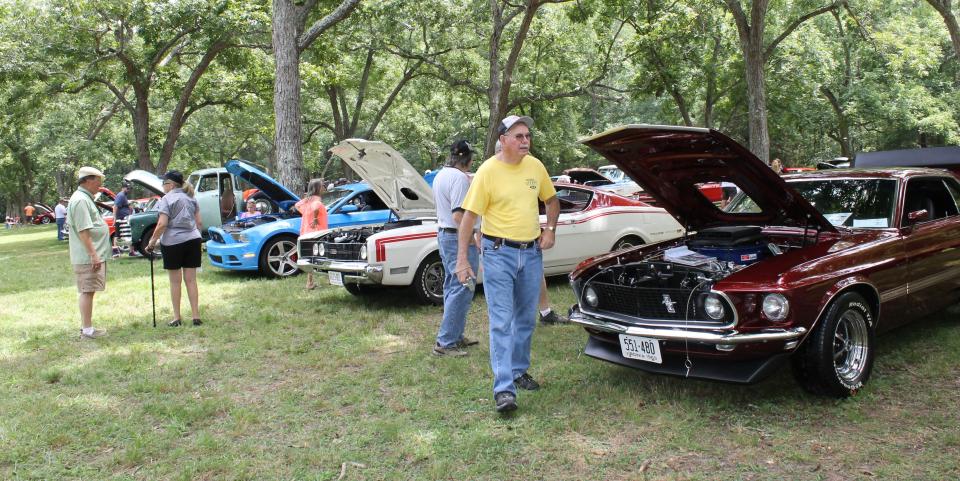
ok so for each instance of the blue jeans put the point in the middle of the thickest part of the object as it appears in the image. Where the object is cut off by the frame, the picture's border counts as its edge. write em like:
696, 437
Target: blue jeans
60, 223
511, 284
456, 298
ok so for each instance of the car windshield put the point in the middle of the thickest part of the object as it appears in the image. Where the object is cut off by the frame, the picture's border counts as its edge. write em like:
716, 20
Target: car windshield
330, 197
860, 203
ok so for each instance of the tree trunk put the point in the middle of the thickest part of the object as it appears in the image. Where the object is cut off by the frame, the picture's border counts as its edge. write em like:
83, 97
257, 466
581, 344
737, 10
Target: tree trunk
286, 95
757, 105
141, 129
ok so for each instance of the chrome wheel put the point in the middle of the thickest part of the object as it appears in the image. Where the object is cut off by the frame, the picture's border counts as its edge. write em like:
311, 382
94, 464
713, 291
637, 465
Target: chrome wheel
433, 279
850, 346
282, 258
837, 358
428, 282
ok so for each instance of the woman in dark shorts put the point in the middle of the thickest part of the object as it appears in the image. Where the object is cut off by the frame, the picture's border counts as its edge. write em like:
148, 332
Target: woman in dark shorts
178, 231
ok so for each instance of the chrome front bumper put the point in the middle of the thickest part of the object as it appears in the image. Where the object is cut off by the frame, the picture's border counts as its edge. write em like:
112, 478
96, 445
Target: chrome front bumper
725, 337
354, 272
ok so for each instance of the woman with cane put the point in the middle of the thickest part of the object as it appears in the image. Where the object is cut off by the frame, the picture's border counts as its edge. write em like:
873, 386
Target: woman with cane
178, 231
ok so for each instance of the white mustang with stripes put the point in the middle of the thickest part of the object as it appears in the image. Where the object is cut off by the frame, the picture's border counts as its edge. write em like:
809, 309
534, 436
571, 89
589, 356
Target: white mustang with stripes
404, 253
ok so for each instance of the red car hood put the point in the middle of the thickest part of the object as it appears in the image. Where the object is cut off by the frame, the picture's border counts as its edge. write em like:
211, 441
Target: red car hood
669, 162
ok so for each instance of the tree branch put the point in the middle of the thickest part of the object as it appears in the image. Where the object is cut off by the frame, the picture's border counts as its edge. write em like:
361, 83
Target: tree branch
796, 23
341, 12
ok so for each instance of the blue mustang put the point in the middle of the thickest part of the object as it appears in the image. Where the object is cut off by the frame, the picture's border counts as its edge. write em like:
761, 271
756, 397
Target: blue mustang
268, 243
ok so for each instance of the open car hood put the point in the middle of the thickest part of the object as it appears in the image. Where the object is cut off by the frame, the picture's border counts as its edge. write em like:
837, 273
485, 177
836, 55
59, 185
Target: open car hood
397, 183
273, 189
582, 176
669, 162
147, 180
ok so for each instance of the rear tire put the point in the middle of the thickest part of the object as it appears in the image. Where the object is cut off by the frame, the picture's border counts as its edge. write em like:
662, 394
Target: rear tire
278, 257
837, 358
428, 281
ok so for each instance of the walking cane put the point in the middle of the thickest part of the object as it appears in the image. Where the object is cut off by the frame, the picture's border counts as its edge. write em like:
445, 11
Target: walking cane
153, 300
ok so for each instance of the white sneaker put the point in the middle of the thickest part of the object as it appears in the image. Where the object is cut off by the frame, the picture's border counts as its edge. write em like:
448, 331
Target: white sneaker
93, 335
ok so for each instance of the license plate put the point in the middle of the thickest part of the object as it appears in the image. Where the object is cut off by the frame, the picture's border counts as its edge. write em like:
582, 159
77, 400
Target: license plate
336, 278
640, 348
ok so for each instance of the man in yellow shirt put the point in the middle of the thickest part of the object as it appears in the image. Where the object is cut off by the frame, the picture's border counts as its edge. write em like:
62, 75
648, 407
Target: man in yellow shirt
505, 192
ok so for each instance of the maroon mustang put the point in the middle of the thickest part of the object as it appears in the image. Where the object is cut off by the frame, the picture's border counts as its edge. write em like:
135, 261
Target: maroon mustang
806, 268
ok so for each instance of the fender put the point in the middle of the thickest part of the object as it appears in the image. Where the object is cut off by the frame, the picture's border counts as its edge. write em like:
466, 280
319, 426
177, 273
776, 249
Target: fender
840, 287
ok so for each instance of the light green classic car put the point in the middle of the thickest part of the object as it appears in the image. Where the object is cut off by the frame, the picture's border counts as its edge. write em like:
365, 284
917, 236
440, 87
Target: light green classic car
219, 194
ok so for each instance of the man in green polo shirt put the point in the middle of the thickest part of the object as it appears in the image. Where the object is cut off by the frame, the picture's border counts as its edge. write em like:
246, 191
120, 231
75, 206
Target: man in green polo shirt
89, 246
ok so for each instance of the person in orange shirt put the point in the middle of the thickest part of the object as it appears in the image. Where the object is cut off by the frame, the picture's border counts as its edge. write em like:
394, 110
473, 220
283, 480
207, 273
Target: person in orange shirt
28, 212
313, 215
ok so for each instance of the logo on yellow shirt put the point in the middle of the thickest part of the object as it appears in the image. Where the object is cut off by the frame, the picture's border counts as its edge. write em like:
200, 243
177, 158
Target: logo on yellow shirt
532, 184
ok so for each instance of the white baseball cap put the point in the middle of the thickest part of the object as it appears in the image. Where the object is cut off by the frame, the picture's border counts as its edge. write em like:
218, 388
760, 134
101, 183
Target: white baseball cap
508, 123
88, 171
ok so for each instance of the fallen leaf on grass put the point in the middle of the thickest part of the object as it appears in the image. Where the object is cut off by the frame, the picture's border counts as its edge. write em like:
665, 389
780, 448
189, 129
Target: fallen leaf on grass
645, 466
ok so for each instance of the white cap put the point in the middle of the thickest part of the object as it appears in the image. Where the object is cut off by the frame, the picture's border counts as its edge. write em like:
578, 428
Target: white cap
88, 171
508, 123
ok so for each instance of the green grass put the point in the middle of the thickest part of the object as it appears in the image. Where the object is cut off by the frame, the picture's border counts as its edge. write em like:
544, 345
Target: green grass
283, 383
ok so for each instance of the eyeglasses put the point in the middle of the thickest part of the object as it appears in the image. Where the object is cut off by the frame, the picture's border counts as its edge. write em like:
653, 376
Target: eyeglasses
168, 182
527, 136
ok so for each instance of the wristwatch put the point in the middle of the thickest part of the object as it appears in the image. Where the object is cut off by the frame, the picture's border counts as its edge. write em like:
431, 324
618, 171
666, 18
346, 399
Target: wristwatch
551, 228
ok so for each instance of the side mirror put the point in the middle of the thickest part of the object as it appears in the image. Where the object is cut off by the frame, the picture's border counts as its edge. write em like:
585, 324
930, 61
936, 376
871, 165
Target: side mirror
918, 215
348, 209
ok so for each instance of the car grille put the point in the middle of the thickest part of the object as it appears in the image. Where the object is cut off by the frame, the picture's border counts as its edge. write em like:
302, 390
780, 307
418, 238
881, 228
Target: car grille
654, 304
332, 250
123, 229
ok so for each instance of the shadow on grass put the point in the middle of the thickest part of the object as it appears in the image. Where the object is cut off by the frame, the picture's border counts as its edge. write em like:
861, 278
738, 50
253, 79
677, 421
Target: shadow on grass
895, 351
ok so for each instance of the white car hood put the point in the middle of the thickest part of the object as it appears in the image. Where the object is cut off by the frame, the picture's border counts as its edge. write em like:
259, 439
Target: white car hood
147, 180
397, 183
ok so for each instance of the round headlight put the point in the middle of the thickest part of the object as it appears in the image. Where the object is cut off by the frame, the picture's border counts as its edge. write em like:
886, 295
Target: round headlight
590, 296
321, 250
316, 249
363, 252
775, 307
713, 306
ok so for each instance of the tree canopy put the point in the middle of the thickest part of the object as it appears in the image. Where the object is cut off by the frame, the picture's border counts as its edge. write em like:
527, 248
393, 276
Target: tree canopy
157, 85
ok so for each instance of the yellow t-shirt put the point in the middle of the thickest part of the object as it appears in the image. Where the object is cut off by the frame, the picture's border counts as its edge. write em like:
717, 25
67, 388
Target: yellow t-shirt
505, 195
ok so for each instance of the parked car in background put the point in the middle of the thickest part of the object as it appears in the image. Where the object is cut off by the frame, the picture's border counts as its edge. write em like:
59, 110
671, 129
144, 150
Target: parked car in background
804, 269
937, 157
586, 176
404, 252
268, 243
835, 163
797, 170
106, 210
43, 214
219, 194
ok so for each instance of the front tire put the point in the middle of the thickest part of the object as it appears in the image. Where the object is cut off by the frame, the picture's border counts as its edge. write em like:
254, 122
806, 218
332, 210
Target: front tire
44, 220
278, 257
837, 358
428, 281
